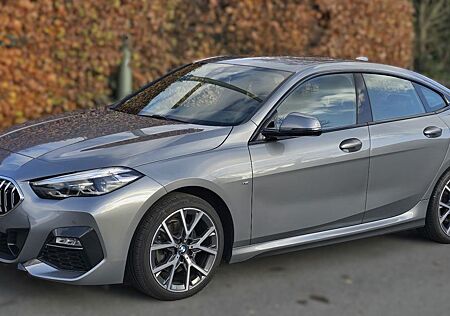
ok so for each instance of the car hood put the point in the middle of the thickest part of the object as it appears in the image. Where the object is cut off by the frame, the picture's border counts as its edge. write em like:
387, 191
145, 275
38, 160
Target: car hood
104, 137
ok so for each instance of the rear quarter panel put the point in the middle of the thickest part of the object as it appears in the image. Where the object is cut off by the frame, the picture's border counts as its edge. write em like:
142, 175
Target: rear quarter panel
445, 117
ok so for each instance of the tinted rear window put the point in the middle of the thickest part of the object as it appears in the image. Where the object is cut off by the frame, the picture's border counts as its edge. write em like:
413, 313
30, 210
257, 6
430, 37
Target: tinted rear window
433, 99
392, 97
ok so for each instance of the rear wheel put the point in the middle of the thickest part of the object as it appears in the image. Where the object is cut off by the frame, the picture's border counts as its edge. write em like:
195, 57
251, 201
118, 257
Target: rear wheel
176, 248
437, 225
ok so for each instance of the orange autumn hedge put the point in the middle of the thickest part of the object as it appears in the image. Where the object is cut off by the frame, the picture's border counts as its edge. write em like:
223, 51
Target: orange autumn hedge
59, 55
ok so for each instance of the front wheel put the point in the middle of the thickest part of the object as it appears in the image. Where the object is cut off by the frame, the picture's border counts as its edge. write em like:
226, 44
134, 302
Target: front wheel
176, 248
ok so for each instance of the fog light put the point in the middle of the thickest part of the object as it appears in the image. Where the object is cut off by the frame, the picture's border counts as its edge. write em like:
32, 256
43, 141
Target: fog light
68, 241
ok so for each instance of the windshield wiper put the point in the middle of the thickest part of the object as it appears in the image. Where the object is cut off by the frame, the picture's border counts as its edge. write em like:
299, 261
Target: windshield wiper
162, 117
158, 116
221, 84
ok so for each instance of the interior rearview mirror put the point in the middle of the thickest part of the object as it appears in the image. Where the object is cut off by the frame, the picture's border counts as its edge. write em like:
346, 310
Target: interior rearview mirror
294, 124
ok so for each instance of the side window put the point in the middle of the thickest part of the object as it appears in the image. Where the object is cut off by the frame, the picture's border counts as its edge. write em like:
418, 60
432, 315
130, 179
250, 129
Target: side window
391, 97
331, 99
434, 100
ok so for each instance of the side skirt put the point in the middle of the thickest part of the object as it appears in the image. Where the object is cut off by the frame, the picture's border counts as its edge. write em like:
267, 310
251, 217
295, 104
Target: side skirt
413, 218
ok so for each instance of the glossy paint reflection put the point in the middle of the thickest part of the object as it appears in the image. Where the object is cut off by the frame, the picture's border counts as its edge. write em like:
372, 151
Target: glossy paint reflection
296, 181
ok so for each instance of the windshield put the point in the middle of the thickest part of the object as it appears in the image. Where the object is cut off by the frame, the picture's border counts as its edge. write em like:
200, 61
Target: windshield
211, 94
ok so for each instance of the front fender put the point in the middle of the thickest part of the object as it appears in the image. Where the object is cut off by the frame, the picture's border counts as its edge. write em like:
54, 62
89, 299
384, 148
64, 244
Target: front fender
226, 172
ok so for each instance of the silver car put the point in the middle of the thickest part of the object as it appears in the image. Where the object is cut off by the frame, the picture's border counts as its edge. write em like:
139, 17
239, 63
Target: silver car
225, 159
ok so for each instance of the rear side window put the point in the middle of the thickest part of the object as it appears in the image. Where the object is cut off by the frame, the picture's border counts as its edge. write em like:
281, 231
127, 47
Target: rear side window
434, 100
392, 98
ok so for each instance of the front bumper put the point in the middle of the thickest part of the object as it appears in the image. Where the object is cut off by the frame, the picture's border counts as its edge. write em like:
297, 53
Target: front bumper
112, 217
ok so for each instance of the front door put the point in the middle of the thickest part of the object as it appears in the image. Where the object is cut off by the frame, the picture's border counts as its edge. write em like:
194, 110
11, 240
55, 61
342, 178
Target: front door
311, 183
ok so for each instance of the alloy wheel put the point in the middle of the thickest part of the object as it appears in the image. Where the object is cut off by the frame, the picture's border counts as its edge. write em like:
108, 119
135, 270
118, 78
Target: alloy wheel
183, 250
444, 209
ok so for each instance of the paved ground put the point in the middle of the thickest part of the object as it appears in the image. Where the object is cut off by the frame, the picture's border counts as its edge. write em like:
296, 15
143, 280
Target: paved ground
399, 274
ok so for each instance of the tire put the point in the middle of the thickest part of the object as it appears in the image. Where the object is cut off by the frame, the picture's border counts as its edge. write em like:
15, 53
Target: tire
433, 229
153, 248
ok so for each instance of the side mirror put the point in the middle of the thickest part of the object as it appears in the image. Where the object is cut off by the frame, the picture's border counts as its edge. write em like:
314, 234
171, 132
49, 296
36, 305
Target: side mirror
295, 124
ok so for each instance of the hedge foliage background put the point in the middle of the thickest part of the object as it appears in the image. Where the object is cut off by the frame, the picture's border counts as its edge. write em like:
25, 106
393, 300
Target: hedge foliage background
59, 55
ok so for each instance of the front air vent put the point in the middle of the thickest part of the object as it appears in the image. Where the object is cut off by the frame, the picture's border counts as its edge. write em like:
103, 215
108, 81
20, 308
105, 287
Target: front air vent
10, 196
11, 243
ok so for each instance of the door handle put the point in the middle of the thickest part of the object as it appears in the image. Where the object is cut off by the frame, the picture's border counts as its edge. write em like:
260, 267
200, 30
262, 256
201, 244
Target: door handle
350, 145
432, 131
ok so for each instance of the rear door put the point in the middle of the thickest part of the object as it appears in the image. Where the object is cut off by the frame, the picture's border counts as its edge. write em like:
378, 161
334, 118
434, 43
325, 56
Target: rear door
408, 145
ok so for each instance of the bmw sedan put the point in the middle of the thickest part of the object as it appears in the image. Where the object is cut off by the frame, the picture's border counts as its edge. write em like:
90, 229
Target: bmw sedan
225, 159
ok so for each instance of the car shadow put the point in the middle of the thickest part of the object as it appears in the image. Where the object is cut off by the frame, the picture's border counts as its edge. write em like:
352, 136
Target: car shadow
18, 282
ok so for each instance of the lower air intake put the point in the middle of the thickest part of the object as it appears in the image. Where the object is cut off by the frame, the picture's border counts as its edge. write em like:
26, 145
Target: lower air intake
72, 248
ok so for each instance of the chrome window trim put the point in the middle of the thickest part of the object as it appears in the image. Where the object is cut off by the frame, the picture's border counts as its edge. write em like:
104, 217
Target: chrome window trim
300, 77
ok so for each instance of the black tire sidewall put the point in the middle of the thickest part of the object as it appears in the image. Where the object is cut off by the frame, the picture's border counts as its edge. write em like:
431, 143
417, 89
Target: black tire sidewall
433, 228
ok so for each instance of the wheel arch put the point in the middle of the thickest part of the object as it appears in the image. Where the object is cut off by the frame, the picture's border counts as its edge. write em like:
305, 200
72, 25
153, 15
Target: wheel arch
222, 210
210, 196
444, 169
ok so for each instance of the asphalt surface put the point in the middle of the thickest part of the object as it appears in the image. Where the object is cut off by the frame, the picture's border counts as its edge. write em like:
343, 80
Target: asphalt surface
398, 274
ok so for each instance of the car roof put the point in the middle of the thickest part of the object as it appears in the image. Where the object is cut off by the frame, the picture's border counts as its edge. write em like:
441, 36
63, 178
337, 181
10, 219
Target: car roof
305, 64
285, 63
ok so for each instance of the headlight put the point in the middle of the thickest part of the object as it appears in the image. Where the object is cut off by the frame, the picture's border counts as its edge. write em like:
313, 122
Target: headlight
85, 183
